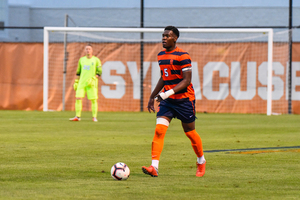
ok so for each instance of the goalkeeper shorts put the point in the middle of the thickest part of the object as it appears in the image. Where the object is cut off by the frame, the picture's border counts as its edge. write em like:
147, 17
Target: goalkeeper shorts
92, 92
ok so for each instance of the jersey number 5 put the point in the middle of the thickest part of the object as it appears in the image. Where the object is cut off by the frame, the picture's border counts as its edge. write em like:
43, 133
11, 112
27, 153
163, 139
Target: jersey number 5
166, 72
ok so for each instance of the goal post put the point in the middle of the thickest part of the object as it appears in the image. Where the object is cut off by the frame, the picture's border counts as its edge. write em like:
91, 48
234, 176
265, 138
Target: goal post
209, 93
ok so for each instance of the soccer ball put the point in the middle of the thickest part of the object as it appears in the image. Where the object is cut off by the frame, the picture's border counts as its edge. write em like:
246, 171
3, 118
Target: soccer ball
120, 171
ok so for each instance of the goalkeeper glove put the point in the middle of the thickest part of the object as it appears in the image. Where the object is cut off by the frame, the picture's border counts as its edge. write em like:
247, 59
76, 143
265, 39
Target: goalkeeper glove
75, 84
91, 82
99, 71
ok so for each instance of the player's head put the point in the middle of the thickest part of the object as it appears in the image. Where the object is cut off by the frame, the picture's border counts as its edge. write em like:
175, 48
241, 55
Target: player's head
88, 50
169, 37
173, 29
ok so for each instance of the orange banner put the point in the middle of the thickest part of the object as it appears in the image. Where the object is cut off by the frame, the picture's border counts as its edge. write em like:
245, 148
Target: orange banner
227, 78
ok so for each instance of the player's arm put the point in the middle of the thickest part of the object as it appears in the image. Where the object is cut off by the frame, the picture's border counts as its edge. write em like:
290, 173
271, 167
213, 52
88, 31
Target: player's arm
78, 71
159, 86
99, 69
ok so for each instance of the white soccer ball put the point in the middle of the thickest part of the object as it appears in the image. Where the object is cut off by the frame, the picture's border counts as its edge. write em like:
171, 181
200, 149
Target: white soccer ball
120, 171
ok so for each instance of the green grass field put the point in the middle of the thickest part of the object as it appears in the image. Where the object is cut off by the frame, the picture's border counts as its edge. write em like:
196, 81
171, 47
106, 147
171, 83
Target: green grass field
45, 156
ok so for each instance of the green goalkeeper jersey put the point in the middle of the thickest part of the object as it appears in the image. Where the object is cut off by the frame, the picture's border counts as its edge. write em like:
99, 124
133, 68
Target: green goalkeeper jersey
88, 68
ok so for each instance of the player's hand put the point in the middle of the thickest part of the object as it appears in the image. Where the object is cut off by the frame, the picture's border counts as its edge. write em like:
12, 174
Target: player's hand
94, 82
151, 105
75, 85
158, 98
100, 71
91, 82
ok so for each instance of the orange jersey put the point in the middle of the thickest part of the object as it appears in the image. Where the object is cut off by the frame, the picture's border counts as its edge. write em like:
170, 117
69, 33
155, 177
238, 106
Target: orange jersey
171, 65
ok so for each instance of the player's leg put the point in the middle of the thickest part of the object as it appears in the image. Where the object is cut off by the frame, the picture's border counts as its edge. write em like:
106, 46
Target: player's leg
80, 93
162, 124
78, 107
92, 94
186, 113
196, 142
189, 129
94, 109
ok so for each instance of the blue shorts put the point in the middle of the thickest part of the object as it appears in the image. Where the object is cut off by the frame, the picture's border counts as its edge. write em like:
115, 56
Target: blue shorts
183, 110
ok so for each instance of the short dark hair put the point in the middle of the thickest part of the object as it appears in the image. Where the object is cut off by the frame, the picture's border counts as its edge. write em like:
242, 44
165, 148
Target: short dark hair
173, 29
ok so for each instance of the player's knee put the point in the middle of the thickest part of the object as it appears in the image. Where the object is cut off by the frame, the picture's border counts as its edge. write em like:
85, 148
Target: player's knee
190, 134
162, 125
94, 101
160, 130
162, 121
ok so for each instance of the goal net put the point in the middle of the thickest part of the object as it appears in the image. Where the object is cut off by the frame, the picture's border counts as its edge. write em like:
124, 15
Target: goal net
234, 70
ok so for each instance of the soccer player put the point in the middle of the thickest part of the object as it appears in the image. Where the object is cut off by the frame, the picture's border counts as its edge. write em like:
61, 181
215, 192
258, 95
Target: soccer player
88, 70
177, 100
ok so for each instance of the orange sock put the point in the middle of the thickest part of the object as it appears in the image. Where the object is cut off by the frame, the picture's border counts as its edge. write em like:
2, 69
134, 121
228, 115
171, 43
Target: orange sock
158, 141
196, 142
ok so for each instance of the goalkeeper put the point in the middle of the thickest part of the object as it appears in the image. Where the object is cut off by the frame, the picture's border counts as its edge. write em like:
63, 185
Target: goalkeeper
88, 70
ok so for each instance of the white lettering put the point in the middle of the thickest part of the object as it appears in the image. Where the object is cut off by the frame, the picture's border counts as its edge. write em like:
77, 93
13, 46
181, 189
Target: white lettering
196, 81
118, 81
236, 81
277, 82
155, 74
115, 86
295, 80
208, 70
136, 77
263, 79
